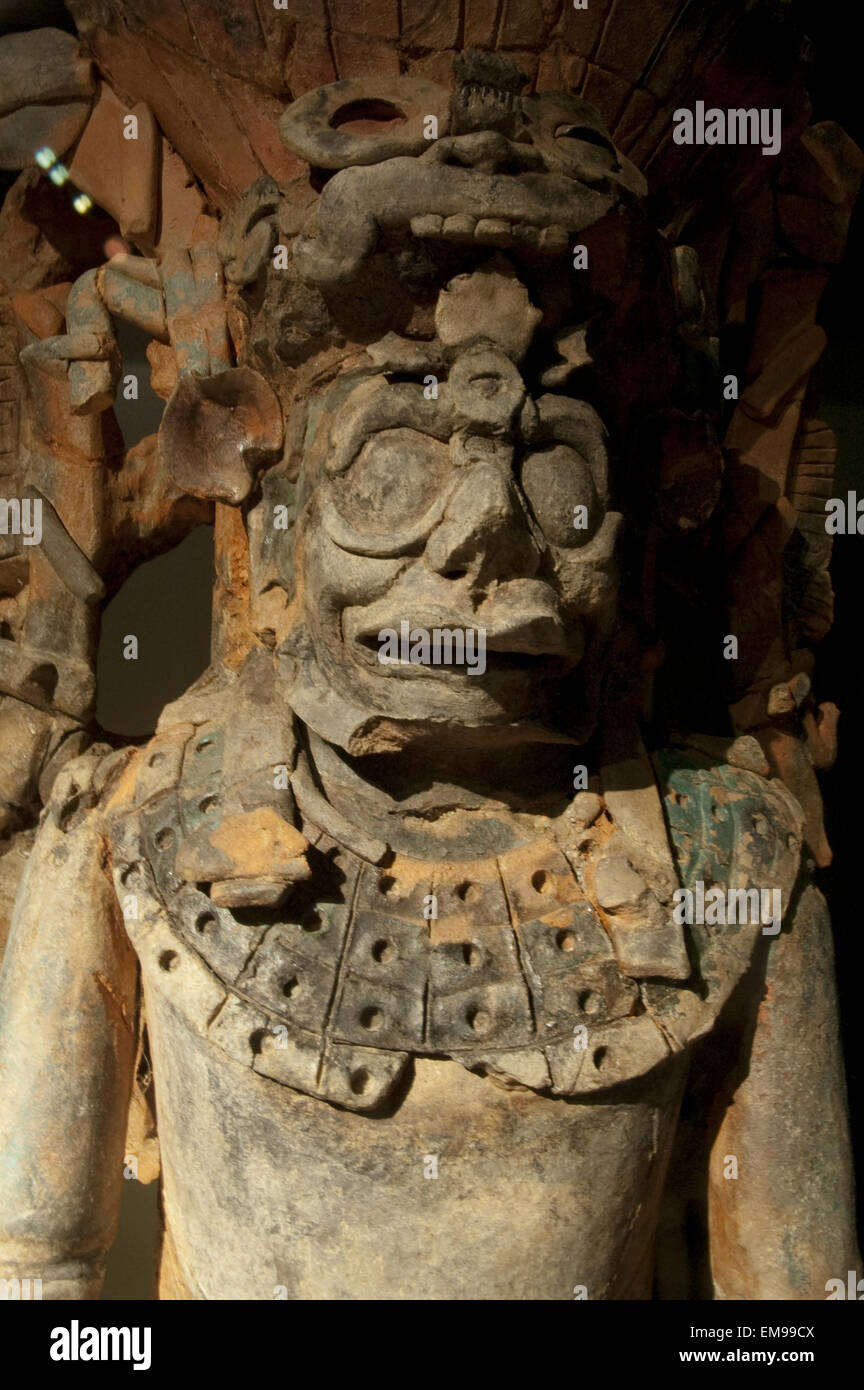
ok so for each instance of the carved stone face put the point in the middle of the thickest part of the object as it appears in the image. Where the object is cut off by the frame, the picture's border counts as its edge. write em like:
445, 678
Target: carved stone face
448, 489
471, 504
449, 493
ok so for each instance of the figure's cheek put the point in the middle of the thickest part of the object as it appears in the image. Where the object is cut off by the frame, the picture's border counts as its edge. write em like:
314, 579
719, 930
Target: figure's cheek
335, 579
587, 579
560, 488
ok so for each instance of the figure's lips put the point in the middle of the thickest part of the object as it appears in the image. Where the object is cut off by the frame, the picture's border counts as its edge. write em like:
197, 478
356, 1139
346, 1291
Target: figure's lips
523, 641
447, 201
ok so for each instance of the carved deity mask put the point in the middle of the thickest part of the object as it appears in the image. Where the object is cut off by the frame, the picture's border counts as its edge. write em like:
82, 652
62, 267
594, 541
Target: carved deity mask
500, 169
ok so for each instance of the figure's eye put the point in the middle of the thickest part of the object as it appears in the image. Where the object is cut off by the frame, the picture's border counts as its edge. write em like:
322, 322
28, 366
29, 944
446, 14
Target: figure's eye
392, 482
574, 138
559, 487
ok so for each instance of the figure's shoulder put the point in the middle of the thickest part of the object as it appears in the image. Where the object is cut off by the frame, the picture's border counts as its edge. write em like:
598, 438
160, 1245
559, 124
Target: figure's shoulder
82, 782
231, 727
728, 825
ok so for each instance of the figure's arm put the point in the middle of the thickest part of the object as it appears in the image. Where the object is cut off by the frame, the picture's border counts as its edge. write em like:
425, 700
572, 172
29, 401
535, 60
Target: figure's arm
786, 1224
68, 997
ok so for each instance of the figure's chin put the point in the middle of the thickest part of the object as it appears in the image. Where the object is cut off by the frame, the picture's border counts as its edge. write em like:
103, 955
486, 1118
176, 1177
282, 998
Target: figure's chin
365, 713
506, 691
355, 703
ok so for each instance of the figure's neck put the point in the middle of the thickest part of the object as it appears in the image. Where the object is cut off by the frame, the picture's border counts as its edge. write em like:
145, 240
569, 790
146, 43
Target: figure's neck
435, 800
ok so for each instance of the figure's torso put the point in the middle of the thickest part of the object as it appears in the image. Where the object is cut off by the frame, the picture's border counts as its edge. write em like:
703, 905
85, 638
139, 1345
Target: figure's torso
316, 1055
464, 1190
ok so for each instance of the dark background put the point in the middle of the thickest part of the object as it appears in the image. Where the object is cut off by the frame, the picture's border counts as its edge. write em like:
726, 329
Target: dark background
832, 66
166, 602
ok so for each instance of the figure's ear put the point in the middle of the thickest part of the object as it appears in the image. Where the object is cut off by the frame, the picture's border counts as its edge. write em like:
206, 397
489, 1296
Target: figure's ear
218, 431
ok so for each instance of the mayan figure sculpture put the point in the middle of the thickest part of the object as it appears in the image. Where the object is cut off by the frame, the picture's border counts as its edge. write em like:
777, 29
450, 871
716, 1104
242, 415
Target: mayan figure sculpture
452, 935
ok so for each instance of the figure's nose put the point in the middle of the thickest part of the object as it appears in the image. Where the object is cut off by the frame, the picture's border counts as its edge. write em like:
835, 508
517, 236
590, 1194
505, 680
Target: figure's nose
484, 535
488, 151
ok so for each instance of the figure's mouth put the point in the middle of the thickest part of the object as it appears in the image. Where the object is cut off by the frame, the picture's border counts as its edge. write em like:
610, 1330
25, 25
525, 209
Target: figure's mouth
499, 232
537, 210
493, 660
499, 637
